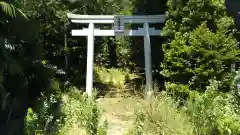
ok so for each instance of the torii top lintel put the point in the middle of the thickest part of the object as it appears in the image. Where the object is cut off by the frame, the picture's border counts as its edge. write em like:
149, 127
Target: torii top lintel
75, 18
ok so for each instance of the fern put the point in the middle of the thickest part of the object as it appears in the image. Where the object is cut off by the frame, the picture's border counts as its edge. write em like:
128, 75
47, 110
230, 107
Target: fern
10, 10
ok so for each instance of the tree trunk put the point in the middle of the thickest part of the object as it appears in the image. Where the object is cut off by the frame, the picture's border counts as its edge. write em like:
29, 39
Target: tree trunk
112, 53
12, 117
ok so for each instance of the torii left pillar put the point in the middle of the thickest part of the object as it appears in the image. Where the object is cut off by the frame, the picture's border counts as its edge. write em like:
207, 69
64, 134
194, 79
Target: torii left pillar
90, 60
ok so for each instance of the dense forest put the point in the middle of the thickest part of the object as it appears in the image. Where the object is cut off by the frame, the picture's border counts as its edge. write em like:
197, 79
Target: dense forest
195, 64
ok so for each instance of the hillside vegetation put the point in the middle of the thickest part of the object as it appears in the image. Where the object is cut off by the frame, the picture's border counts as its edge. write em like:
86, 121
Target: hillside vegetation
194, 65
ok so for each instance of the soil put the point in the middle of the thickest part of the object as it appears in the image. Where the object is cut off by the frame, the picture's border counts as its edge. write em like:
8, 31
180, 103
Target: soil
119, 112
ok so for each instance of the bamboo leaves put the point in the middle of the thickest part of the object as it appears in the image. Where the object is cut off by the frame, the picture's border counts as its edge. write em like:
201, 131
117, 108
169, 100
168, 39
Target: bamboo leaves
11, 10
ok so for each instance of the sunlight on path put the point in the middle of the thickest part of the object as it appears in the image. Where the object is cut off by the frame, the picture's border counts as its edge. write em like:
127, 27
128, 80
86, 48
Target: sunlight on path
119, 112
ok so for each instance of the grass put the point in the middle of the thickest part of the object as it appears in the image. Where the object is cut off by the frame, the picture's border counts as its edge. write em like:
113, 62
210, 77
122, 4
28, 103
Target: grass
119, 112
82, 116
160, 116
129, 115
113, 77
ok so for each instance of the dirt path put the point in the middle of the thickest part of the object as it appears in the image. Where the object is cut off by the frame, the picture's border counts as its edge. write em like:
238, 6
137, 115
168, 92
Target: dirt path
119, 112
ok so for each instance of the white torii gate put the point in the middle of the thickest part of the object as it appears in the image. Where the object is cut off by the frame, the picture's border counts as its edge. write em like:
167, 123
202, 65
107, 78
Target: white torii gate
118, 30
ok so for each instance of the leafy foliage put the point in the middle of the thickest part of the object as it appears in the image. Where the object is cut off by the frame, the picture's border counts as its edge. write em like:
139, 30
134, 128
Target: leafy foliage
23, 75
82, 116
201, 44
186, 15
215, 112
75, 115
10, 10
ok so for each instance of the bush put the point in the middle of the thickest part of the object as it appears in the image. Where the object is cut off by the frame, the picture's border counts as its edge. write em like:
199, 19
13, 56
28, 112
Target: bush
161, 117
77, 115
198, 56
31, 122
201, 44
45, 117
214, 112
82, 116
211, 112
178, 92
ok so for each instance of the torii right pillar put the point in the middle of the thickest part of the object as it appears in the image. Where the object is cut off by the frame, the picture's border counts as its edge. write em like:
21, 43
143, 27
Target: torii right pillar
148, 61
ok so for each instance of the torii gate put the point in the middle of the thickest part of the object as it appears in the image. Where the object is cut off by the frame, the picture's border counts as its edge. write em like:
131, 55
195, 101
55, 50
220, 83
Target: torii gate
117, 30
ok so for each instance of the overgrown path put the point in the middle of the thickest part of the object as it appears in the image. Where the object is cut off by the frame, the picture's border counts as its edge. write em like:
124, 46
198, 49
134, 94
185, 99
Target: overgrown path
119, 112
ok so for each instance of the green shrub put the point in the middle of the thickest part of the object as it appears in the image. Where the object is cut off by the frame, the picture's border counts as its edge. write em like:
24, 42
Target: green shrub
214, 112
44, 117
178, 92
161, 117
82, 116
77, 115
201, 44
198, 56
31, 122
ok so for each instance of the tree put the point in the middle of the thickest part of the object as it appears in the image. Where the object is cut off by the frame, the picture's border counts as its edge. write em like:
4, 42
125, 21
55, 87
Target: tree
200, 43
23, 75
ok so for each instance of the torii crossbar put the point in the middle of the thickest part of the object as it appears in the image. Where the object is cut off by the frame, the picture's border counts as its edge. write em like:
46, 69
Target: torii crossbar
118, 22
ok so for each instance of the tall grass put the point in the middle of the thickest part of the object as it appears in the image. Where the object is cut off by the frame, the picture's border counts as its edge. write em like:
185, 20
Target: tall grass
113, 77
160, 116
82, 116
